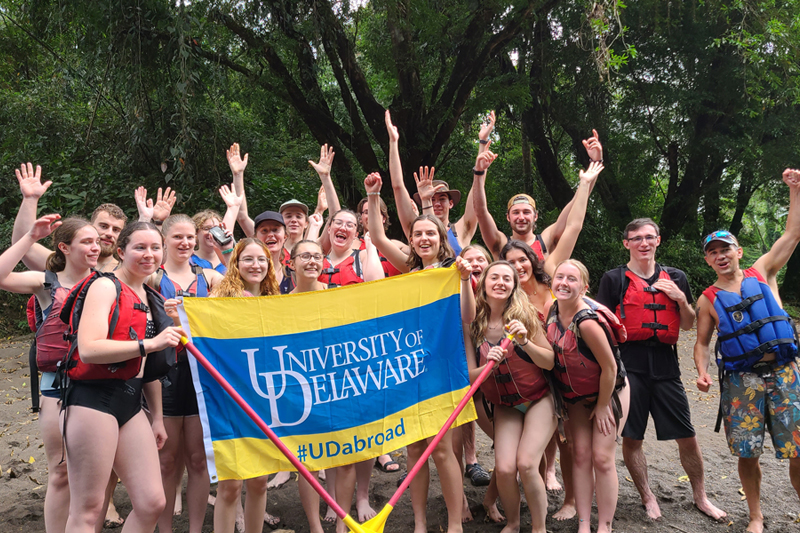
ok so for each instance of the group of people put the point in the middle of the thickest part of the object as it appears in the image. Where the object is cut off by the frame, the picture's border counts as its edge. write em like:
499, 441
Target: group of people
118, 400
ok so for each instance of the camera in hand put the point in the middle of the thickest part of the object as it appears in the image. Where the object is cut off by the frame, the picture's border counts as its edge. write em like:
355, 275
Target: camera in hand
220, 236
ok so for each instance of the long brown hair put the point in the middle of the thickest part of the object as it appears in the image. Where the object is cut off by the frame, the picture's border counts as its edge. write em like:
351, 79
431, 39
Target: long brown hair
232, 284
65, 233
414, 261
517, 307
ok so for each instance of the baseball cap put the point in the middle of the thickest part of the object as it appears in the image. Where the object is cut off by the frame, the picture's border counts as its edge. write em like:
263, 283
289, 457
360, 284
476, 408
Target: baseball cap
294, 203
454, 194
268, 215
722, 236
521, 199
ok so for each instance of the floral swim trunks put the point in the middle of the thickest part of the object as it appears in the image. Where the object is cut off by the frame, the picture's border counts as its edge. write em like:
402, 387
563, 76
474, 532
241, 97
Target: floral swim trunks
753, 403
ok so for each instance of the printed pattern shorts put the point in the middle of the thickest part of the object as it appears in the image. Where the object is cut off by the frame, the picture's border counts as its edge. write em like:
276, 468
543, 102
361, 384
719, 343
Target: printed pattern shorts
753, 403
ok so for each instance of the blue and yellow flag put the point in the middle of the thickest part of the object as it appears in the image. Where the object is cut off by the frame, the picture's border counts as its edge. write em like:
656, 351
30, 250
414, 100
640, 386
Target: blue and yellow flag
340, 375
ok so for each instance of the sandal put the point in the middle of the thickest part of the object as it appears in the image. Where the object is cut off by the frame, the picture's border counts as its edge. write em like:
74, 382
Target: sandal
477, 475
384, 467
401, 479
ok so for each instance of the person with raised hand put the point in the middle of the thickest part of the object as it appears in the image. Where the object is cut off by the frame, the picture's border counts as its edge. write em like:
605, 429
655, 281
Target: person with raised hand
77, 247
155, 212
521, 213
104, 425
108, 220
757, 353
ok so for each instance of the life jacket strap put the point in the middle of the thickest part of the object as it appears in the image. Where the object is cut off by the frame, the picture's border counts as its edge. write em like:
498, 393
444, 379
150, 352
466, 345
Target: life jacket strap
510, 399
503, 378
761, 349
745, 303
654, 325
655, 307
753, 326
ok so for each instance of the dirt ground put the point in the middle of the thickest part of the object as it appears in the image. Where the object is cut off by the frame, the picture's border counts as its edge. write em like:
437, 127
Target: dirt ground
24, 475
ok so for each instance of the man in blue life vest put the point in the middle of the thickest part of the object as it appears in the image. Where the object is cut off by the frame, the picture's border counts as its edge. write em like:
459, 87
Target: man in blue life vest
756, 352
654, 302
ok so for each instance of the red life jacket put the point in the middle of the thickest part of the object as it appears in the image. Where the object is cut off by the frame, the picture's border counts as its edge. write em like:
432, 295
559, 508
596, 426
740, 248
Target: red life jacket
126, 321
347, 272
539, 247
648, 314
515, 380
576, 371
50, 343
389, 269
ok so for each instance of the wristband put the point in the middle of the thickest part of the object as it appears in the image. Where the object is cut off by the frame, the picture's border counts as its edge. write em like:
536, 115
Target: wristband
373, 194
427, 207
464, 279
483, 142
226, 252
142, 353
526, 343
478, 172
595, 160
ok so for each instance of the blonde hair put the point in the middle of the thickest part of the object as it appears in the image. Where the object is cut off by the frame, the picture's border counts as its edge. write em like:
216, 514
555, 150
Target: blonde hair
584, 272
200, 218
232, 285
518, 307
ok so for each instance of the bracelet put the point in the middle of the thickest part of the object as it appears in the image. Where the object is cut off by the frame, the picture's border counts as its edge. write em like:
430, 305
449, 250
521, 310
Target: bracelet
226, 252
373, 194
427, 207
483, 142
526, 343
478, 172
595, 160
142, 353
464, 279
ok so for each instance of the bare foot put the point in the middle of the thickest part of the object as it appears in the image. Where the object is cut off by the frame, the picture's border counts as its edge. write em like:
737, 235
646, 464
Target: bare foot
493, 514
552, 484
330, 516
466, 514
756, 525
271, 520
652, 510
709, 509
321, 474
566, 512
510, 529
178, 509
239, 516
279, 480
365, 512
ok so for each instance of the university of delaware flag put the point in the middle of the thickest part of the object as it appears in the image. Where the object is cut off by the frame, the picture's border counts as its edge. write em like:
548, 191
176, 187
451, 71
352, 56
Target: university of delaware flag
340, 375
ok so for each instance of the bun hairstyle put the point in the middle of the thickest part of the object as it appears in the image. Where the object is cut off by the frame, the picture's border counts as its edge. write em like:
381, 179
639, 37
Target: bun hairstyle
445, 250
64, 233
177, 219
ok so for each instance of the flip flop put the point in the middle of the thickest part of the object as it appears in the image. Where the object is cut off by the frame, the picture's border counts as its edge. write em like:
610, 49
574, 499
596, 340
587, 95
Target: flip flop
477, 475
385, 466
401, 479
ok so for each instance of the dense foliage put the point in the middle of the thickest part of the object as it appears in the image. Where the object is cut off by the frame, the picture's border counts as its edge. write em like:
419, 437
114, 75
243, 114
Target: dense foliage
696, 103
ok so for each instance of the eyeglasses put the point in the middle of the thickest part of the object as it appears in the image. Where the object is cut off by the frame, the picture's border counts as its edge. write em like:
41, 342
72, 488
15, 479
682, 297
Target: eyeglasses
718, 235
650, 239
342, 223
308, 256
250, 261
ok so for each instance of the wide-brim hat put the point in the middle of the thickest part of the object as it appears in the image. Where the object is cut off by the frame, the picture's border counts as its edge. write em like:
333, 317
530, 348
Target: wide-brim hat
454, 195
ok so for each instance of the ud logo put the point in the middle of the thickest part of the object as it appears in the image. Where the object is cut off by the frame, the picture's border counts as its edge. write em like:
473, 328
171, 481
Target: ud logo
738, 316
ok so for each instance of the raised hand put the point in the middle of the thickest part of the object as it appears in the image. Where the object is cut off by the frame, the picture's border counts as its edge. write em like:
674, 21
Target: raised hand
593, 147
143, 205
791, 177
164, 204
373, 182
394, 135
326, 154
487, 127
315, 220
44, 226
424, 181
235, 160
229, 196
30, 182
590, 174
322, 201
464, 268
484, 160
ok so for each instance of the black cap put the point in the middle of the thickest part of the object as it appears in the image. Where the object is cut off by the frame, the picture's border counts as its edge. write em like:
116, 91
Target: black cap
268, 215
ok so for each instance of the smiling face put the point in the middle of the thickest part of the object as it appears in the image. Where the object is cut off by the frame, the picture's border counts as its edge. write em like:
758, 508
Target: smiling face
521, 263
143, 252
499, 282
477, 260
273, 234
642, 243
84, 249
522, 218
568, 283
442, 204
253, 264
343, 230
723, 257
425, 240
296, 222
108, 228
180, 241
204, 238
307, 261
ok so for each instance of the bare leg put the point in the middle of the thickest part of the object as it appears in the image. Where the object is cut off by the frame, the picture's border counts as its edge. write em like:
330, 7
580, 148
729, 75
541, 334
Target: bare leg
56, 500
198, 483
636, 462
490, 498
551, 481
604, 448
310, 500
345, 487
171, 462
330, 488
229, 492
567, 510
451, 481
177, 509
460, 437
363, 474
692, 461
255, 503
538, 427
110, 513
419, 486
468, 439
750, 476
508, 432
794, 474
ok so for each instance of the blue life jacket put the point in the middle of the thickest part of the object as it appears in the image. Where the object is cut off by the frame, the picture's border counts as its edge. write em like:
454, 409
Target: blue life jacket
168, 290
751, 325
452, 238
199, 261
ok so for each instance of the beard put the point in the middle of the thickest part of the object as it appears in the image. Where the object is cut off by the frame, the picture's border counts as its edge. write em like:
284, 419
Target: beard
107, 250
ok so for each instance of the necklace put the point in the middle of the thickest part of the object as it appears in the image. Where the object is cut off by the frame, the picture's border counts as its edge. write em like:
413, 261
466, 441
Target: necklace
494, 327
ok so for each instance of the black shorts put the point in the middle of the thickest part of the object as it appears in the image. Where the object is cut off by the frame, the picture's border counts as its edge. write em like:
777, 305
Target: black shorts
177, 392
121, 399
666, 400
